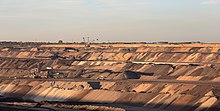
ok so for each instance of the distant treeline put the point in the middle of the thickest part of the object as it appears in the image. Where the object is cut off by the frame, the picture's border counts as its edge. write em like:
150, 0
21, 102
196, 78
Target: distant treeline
39, 43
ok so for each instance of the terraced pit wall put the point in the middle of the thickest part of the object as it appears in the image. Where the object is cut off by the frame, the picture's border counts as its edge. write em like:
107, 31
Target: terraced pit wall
161, 76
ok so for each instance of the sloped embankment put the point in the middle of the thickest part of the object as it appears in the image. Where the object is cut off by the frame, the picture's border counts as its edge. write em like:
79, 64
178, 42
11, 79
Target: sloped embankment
146, 95
128, 76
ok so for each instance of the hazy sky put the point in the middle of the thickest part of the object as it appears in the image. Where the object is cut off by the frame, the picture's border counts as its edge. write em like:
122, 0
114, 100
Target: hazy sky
110, 20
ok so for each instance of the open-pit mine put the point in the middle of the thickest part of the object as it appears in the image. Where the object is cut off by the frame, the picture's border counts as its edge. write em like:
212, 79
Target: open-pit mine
110, 76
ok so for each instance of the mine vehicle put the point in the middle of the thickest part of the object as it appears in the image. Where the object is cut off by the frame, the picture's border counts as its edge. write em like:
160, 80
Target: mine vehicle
100, 78
51, 73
